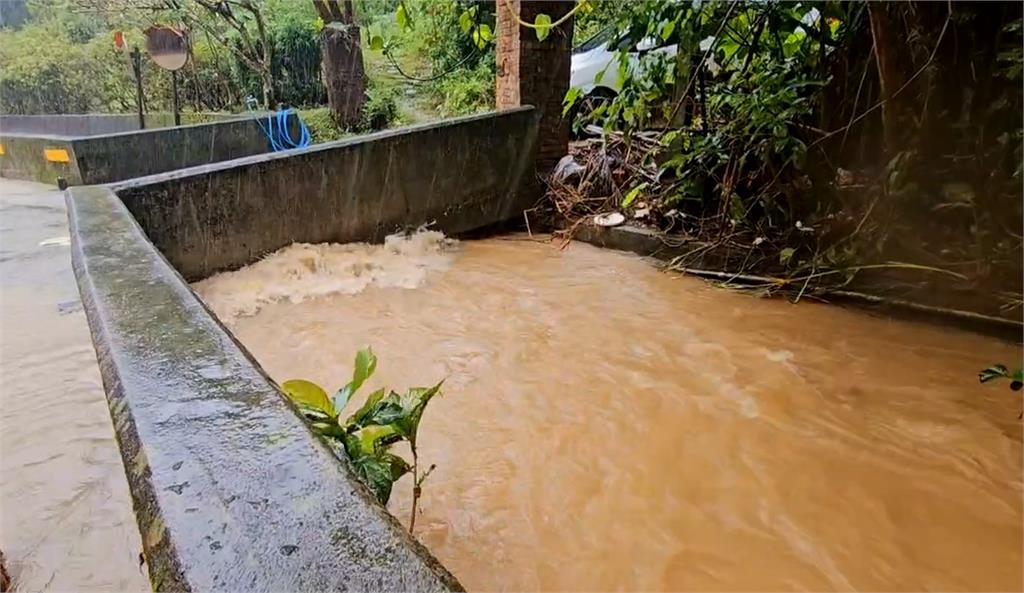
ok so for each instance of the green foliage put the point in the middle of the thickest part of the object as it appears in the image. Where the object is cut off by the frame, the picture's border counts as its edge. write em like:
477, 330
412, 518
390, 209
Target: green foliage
367, 435
381, 108
733, 101
43, 71
633, 194
321, 124
466, 91
379, 112
64, 61
444, 46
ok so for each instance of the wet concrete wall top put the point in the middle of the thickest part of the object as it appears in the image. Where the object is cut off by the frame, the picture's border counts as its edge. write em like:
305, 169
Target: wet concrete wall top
93, 124
231, 490
462, 173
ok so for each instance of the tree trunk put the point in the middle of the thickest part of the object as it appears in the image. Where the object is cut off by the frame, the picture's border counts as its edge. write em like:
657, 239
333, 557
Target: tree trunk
894, 64
268, 89
266, 59
344, 76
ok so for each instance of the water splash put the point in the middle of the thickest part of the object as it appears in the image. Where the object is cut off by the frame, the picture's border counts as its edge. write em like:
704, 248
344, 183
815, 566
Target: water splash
303, 271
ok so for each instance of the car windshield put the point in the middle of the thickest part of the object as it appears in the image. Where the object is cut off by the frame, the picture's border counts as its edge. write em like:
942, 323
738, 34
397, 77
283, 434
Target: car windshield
600, 38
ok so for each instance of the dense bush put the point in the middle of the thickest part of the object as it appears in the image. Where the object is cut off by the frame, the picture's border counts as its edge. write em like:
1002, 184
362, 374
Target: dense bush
321, 124
380, 111
466, 90
441, 58
43, 71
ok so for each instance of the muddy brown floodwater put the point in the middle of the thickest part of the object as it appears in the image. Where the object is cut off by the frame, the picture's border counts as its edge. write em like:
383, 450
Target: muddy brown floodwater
66, 521
606, 426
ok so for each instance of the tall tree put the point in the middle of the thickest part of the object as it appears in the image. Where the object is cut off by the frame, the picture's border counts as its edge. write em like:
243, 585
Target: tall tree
344, 74
253, 48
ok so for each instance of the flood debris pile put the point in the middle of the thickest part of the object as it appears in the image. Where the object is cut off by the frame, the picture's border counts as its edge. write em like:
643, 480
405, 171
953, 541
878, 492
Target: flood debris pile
813, 149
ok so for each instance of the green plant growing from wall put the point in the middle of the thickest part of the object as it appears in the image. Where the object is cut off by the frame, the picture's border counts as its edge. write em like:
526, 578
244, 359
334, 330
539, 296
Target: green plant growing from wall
999, 371
385, 418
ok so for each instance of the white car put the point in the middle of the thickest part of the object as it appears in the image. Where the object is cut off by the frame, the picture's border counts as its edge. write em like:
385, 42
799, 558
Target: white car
597, 55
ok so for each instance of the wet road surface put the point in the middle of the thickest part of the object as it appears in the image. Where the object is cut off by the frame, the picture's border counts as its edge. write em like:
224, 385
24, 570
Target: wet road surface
66, 520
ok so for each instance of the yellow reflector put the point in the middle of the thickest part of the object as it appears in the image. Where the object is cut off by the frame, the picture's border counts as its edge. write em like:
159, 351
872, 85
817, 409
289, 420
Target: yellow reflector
2, 151
56, 155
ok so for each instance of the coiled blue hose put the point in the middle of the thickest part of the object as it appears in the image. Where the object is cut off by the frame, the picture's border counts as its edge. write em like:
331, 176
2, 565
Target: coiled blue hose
279, 136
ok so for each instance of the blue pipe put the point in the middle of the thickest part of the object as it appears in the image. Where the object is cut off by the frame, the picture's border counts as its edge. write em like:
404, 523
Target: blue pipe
279, 136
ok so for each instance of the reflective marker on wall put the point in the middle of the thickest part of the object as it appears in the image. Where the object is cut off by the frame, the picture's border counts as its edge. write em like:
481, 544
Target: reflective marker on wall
56, 155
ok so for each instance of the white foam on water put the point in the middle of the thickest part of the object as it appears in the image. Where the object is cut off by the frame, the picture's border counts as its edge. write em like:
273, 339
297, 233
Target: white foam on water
303, 271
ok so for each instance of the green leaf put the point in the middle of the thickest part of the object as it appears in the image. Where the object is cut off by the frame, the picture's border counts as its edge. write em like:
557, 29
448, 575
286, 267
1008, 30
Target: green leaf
307, 393
399, 467
785, 255
600, 75
364, 366
571, 96
728, 47
793, 43
465, 21
414, 404
375, 471
373, 438
833, 26
382, 411
543, 26
667, 29
358, 419
330, 429
402, 17
482, 35
376, 42
633, 194
995, 371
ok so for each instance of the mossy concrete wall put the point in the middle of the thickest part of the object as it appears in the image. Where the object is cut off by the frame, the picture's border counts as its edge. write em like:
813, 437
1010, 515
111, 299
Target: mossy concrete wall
24, 157
107, 158
460, 174
232, 492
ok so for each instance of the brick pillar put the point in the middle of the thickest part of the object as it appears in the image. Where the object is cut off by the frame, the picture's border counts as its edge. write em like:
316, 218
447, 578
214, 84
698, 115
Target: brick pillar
532, 72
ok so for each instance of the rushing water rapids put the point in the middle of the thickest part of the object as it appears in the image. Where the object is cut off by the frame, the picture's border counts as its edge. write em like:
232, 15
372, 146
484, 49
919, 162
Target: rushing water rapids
606, 426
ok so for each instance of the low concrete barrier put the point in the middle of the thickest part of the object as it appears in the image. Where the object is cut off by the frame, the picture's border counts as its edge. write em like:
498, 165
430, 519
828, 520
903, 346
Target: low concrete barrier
34, 158
231, 490
94, 124
108, 158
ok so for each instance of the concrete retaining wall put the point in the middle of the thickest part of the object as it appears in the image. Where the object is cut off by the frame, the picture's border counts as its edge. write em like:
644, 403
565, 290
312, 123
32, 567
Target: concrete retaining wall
463, 174
24, 157
231, 490
114, 157
93, 124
